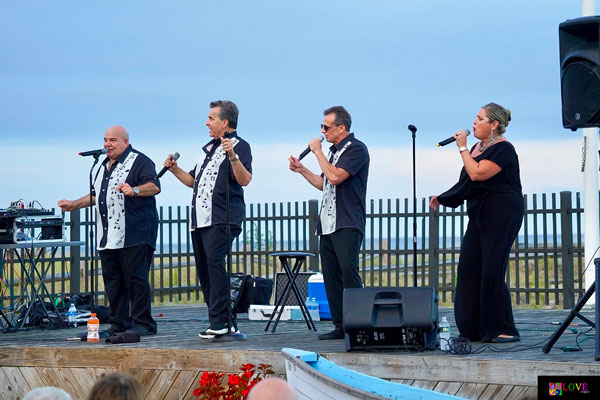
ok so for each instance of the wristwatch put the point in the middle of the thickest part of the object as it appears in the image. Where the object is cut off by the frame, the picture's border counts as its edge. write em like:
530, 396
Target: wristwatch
463, 148
235, 158
136, 191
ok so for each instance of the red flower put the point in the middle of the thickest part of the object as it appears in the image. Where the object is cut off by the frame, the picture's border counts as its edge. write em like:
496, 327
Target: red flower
234, 379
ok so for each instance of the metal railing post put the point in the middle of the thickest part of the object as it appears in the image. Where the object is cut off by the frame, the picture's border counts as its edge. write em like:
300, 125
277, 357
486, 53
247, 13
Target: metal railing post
75, 252
566, 230
313, 240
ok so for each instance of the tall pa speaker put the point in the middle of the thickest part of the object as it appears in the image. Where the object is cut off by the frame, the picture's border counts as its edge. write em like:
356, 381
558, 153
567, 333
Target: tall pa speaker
391, 318
580, 72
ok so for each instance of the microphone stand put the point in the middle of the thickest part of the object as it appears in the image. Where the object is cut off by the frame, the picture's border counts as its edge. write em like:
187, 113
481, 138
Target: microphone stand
229, 336
413, 129
92, 237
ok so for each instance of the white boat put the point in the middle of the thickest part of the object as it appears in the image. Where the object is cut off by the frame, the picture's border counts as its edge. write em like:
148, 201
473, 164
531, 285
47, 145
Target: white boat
316, 378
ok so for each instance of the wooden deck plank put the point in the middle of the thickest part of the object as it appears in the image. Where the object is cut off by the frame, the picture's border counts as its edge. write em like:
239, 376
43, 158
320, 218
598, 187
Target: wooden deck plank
471, 390
31, 376
7, 391
148, 378
16, 381
189, 395
73, 377
447, 387
181, 385
424, 384
524, 393
496, 392
162, 385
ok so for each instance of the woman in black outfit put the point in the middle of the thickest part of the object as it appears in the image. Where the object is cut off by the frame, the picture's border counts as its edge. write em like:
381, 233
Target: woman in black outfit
491, 185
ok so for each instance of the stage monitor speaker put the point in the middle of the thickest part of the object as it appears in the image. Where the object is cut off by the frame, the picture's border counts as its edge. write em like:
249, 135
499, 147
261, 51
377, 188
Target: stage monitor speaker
580, 72
391, 318
281, 279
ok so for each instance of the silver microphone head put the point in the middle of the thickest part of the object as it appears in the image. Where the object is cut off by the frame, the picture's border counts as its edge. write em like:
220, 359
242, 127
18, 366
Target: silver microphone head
175, 157
467, 132
322, 138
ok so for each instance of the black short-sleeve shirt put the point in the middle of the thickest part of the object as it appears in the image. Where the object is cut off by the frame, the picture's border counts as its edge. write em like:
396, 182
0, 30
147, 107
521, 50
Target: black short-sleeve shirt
211, 182
124, 221
344, 205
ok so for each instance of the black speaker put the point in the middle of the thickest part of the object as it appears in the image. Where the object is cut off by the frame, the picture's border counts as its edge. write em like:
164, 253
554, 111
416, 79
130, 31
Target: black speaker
580, 72
281, 279
391, 318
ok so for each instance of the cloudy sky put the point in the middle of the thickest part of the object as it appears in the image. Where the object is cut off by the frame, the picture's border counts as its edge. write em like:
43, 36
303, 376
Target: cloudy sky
71, 69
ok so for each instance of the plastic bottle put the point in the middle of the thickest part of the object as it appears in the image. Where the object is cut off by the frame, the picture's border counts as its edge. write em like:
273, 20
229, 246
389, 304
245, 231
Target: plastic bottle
309, 307
444, 330
93, 328
72, 313
315, 309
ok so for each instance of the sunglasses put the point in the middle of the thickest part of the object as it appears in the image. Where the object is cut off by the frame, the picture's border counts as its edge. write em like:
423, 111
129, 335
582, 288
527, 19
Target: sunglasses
326, 128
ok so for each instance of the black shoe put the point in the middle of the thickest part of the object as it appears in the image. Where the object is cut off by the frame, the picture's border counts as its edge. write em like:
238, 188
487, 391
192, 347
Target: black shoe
333, 335
142, 331
114, 329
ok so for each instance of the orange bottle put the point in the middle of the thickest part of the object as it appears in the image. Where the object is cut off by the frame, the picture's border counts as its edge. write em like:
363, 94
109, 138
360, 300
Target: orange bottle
93, 328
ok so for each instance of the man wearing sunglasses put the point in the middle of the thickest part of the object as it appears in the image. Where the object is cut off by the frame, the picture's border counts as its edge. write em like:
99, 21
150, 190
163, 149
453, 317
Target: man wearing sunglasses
341, 225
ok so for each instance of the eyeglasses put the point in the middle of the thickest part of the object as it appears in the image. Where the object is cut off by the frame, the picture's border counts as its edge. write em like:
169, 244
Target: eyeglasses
326, 128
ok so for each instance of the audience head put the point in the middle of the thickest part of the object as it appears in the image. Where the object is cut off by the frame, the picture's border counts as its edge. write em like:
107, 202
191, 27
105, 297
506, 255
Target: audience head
272, 389
117, 387
47, 393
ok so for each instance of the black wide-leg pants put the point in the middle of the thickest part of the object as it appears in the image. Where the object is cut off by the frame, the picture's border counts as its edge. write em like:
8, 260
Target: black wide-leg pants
211, 245
482, 305
339, 259
125, 274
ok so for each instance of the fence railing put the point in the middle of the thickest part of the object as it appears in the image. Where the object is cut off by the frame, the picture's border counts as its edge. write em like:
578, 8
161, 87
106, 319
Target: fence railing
545, 267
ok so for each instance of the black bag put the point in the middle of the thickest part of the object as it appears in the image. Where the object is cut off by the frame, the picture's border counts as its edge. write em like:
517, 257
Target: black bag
247, 289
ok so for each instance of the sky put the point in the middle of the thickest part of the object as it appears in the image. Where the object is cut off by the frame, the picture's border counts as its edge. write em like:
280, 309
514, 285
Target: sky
71, 69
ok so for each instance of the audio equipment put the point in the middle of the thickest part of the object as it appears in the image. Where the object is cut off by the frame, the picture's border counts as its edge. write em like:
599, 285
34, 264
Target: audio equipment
391, 318
580, 72
281, 280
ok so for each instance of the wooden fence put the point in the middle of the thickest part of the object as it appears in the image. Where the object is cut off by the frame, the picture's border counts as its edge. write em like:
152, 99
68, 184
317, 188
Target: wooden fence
546, 264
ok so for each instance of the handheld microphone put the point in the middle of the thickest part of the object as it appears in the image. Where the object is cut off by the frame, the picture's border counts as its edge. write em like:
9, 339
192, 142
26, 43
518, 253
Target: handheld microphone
94, 153
452, 139
165, 169
307, 150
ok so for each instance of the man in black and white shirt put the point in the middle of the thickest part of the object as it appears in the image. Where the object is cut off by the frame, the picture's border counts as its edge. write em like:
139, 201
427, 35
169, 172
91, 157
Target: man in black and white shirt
342, 217
127, 225
224, 164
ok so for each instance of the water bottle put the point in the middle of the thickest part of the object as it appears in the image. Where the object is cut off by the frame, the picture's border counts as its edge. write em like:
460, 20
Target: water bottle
93, 328
72, 313
315, 310
444, 330
309, 307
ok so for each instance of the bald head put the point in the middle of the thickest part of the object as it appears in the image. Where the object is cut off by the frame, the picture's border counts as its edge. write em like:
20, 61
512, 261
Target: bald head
272, 389
116, 140
118, 131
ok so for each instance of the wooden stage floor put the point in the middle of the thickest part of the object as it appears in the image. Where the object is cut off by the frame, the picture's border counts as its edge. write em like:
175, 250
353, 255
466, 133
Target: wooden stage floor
169, 363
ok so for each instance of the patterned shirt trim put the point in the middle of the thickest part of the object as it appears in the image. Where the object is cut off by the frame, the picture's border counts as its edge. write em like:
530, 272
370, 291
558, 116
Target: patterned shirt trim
204, 186
328, 204
111, 224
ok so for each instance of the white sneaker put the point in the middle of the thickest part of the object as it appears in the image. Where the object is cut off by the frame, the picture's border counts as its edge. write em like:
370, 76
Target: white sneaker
206, 335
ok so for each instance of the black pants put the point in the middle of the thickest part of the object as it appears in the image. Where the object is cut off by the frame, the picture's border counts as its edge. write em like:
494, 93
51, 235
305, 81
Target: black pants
125, 274
339, 258
482, 305
210, 249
